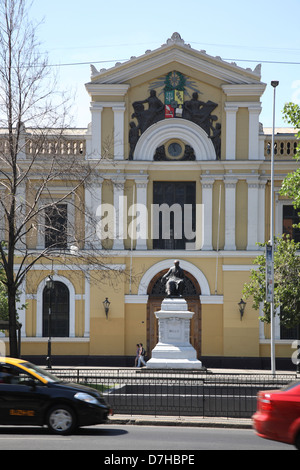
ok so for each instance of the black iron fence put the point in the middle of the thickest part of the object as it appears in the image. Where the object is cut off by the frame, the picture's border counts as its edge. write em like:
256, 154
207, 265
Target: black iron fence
176, 393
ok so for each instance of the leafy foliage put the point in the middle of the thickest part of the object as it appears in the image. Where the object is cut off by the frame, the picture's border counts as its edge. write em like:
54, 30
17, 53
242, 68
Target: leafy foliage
3, 302
291, 184
286, 282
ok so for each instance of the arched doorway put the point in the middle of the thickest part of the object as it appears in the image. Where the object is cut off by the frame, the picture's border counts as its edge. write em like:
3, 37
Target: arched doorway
59, 299
156, 294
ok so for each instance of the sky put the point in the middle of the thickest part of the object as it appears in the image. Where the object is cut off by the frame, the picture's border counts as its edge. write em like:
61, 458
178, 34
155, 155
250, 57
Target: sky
78, 33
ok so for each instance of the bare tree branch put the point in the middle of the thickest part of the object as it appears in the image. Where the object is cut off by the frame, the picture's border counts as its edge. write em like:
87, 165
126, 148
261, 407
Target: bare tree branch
43, 169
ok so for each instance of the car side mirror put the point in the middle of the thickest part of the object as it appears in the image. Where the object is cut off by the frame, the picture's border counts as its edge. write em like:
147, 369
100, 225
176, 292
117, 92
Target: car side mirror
31, 383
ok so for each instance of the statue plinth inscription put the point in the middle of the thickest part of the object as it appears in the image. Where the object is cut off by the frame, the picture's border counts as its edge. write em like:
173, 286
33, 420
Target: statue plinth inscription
173, 350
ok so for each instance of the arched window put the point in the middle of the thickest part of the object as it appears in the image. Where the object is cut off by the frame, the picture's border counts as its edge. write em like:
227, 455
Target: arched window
58, 301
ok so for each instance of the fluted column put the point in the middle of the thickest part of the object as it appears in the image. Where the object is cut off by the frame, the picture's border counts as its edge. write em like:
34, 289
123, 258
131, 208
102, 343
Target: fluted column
261, 209
207, 182
141, 211
119, 207
119, 110
231, 110
254, 112
230, 213
96, 139
252, 213
93, 200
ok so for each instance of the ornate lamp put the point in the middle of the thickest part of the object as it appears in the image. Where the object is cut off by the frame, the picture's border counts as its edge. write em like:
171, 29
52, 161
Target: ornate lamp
49, 283
106, 305
242, 306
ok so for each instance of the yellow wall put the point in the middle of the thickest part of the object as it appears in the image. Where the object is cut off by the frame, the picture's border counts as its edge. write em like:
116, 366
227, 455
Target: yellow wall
212, 330
135, 327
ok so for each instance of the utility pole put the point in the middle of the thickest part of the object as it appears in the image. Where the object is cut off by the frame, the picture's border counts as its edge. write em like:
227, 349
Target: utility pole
273, 367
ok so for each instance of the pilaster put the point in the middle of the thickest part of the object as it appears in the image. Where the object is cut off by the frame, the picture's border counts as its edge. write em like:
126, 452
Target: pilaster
207, 182
254, 144
230, 213
119, 110
93, 199
141, 183
256, 211
231, 110
96, 139
119, 206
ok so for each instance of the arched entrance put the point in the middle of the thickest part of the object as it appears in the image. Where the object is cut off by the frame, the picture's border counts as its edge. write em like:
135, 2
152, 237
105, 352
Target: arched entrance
156, 294
59, 299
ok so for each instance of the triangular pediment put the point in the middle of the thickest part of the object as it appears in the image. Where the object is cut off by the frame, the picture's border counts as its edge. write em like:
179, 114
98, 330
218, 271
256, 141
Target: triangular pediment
176, 51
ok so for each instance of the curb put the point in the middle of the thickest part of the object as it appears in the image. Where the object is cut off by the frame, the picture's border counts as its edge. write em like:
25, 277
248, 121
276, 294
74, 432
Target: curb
184, 422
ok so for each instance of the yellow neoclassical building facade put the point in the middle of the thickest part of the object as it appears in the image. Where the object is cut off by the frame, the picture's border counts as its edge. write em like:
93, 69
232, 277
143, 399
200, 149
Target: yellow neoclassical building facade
174, 128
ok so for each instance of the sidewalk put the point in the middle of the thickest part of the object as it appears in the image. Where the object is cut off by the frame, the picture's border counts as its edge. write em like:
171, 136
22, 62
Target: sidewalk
208, 371
193, 421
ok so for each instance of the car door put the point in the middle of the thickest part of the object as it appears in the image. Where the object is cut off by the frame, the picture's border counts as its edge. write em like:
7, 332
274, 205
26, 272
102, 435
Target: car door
22, 397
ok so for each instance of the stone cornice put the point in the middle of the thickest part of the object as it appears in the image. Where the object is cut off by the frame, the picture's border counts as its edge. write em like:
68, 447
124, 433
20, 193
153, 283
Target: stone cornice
199, 61
107, 89
253, 89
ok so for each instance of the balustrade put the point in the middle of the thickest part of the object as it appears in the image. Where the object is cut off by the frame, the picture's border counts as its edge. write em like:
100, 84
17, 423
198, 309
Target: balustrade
285, 147
62, 146
40, 147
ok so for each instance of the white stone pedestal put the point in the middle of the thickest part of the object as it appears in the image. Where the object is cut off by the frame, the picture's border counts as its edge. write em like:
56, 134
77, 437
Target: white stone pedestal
174, 350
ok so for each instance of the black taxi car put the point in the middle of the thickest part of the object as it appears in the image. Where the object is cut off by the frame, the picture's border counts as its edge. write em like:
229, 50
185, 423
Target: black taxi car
29, 395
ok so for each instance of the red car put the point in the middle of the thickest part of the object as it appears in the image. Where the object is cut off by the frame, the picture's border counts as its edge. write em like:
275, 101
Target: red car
278, 414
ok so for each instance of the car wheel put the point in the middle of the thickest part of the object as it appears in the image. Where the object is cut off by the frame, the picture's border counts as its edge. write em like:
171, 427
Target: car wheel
61, 419
297, 441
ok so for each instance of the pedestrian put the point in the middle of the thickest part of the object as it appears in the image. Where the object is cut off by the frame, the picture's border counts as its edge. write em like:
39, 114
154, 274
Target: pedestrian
137, 355
142, 354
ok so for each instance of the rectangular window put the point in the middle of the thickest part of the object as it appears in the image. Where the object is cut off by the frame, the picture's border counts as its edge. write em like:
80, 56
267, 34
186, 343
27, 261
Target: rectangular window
290, 217
56, 223
174, 214
288, 333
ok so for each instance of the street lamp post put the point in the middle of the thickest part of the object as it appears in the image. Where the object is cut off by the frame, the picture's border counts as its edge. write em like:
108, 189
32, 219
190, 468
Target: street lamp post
274, 84
50, 287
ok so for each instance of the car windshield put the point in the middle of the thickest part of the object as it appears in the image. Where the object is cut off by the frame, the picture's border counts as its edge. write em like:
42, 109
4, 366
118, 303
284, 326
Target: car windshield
41, 372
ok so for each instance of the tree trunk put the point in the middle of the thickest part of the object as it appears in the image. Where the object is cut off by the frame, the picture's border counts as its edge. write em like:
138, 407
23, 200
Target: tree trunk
13, 341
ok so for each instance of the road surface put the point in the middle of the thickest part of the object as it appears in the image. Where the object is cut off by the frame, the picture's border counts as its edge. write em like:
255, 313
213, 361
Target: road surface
132, 439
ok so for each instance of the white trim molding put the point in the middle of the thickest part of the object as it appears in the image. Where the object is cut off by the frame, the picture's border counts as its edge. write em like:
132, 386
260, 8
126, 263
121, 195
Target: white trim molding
253, 89
238, 267
95, 89
165, 264
136, 299
39, 308
212, 299
187, 131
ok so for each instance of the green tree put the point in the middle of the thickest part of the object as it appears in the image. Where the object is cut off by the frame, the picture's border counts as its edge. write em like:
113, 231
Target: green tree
3, 302
291, 183
286, 283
